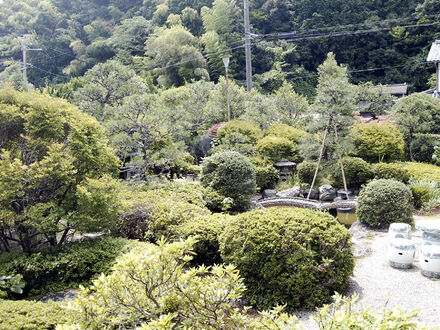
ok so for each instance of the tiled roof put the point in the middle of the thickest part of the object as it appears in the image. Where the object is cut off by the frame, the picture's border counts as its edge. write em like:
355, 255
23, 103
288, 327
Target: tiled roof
434, 53
398, 89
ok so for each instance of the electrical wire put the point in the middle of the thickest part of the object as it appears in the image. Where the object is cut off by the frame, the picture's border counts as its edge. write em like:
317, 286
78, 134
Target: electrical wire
51, 73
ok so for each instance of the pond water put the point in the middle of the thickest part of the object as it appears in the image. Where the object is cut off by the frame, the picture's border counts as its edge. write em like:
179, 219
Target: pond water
347, 218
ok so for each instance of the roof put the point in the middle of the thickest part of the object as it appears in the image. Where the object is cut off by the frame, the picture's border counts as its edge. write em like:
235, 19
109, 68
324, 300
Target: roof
398, 89
434, 52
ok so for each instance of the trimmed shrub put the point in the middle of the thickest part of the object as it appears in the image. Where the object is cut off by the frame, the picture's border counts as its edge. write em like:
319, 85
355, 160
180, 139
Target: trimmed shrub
238, 135
391, 171
306, 171
383, 202
156, 218
206, 229
231, 175
275, 148
56, 270
282, 130
357, 173
292, 256
423, 171
267, 177
32, 315
378, 142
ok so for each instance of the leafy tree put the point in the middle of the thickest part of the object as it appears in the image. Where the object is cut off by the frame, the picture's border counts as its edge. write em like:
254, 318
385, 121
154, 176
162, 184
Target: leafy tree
169, 46
376, 98
104, 88
415, 114
53, 171
293, 109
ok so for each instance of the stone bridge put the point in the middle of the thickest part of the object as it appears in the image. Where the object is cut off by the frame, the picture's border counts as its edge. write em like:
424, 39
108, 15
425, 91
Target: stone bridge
306, 203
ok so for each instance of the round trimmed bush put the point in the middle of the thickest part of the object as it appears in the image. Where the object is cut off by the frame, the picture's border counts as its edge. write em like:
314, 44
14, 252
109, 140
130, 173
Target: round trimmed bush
292, 256
306, 171
250, 132
275, 148
383, 202
357, 173
391, 171
232, 175
378, 142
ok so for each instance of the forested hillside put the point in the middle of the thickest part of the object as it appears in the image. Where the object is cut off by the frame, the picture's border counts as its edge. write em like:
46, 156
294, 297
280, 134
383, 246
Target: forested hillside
171, 42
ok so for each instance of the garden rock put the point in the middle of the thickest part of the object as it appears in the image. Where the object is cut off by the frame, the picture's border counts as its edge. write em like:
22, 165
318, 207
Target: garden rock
314, 194
269, 193
327, 193
290, 193
60, 296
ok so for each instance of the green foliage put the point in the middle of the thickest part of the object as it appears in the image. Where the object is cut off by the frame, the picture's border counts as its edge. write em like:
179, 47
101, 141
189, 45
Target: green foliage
266, 176
55, 270
357, 172
238, 135
11, 284
275, 148
151, 285
378, 142
423, 171
231, 175
282, 130
377, 98
426, 194
391, 171
292, 256
54, 168
383, 202
32, 315
306, 171
347, 313
416, 114
206, 229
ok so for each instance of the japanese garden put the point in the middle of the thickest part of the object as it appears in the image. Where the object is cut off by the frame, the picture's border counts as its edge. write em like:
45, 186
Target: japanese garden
219, 164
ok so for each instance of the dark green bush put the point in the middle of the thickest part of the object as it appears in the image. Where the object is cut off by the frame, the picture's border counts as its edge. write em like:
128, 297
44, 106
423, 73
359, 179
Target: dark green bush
206, 229
383, 202
55, 270
378, 142
267, 177
391, 171
291, 256
357, 173
275, 148
306, 171
31, 315
231, 175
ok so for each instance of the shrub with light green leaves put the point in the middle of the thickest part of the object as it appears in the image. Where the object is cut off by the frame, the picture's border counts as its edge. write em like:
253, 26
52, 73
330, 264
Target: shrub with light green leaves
423, 171
383, 202
32, 315
282, 130
392, 171
231, 175
292, 256
357, 173
275, 148
238, 135
55, 270
378, 142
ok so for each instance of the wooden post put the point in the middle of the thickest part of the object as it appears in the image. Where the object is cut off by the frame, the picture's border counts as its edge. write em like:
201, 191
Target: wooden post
340, 157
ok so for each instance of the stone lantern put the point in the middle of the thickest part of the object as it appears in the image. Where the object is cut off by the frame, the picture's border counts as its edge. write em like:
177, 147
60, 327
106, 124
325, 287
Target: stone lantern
285, 168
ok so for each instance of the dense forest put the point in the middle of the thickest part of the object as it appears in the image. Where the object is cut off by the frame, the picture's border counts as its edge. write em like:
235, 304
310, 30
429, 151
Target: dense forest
170, 42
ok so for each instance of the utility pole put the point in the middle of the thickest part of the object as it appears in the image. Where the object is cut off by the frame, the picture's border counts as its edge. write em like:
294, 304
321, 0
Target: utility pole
226, 63
24, 50
247, 46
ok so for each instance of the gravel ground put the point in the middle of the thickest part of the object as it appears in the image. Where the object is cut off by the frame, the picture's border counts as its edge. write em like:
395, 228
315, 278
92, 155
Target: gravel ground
376, 282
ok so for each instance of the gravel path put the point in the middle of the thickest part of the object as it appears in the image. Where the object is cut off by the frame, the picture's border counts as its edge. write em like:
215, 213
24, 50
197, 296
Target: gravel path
376, 282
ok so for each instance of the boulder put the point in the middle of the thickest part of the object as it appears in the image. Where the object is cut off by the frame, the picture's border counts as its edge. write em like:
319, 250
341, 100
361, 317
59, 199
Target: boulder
327, 193
290, 193
269, 193
314, 194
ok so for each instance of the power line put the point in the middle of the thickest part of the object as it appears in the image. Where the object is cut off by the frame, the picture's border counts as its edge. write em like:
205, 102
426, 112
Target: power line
64, 53
51, 73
